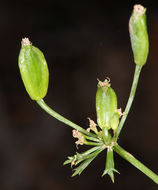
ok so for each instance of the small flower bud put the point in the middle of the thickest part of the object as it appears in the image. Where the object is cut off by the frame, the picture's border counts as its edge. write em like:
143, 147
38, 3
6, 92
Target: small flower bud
138, 35
33, 70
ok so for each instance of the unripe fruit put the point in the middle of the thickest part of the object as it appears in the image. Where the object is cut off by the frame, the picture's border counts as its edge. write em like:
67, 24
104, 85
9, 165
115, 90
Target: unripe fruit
106, 104
33, 70
115, 120
139, 35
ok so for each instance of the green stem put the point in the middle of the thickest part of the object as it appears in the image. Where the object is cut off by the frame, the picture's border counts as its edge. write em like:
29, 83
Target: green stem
106, 136
130, 100
92, 138
91, 150
45, 107
130, 158
93, 143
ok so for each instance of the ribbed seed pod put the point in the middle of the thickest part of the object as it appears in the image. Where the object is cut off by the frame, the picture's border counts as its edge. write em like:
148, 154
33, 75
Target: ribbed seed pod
33, 70
139, 35
114, 122
106, 104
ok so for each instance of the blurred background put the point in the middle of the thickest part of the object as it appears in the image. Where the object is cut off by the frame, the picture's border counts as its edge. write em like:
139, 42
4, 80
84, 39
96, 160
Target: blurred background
82, 41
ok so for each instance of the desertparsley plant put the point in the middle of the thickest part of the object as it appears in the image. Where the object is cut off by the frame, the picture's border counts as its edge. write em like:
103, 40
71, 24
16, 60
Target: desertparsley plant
101, 135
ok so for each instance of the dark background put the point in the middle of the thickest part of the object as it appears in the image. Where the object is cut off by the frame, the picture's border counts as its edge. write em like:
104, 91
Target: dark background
82, 41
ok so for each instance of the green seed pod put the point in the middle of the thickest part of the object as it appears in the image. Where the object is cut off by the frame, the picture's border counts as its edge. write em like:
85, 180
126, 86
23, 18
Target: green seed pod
114, 122
106, 104
33, 70
139, 35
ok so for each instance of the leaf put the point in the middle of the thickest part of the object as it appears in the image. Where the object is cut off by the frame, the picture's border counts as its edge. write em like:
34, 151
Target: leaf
82, 166
86, 162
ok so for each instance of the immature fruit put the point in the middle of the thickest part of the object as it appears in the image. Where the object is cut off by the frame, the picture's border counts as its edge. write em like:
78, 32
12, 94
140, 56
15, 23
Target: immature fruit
106, 104
139, 35
33, 70
114, 122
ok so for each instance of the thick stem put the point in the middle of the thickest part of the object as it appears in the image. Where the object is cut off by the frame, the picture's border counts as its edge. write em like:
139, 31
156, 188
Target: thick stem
130, 100
45, 107
130, 158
